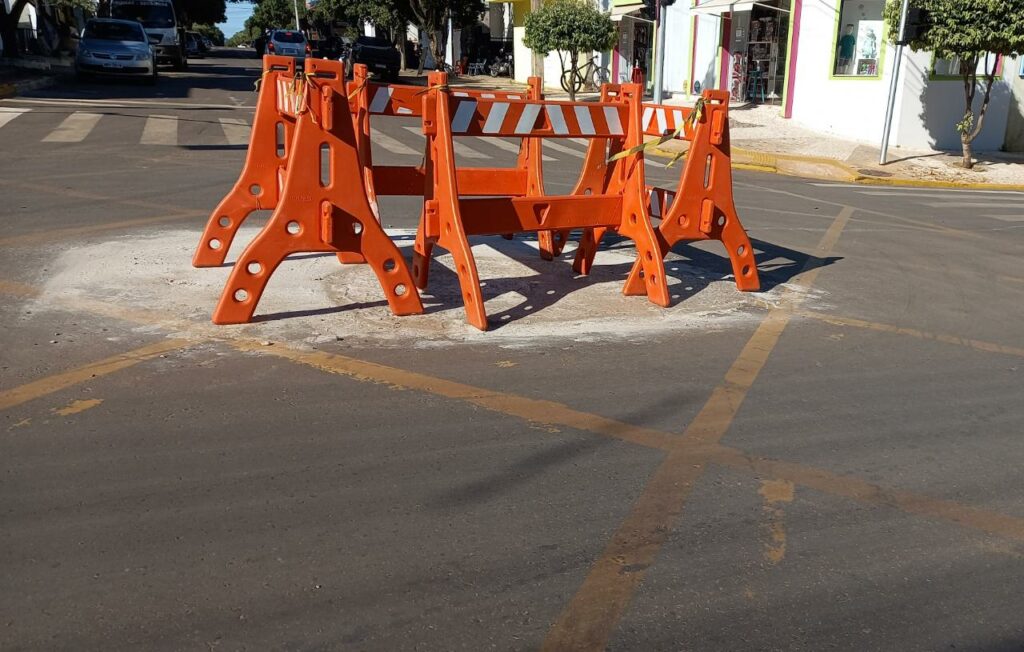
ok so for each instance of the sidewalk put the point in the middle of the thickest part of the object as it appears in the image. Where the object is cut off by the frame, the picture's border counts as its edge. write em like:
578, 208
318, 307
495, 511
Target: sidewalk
763, 140
29, 72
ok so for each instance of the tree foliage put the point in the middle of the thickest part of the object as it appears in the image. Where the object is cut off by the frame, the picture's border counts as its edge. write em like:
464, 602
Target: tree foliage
211, 32
432, 16
971, 32
272, 14
569, 27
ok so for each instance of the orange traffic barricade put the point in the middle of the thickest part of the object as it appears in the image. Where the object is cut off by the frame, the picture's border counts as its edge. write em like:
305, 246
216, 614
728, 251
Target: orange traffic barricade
323, 205
701, 207
259, 184
449, 217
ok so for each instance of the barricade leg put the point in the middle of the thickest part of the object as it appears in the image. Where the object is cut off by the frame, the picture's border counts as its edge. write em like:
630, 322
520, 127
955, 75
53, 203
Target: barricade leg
258, 185
315, 218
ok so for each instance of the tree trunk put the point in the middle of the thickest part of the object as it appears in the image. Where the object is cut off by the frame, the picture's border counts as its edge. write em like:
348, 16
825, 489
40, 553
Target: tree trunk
9, 28
437, 48
423, 51
965, 141
537, 59
574, 57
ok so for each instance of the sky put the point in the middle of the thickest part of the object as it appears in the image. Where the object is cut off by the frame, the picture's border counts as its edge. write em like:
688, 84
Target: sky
237, 12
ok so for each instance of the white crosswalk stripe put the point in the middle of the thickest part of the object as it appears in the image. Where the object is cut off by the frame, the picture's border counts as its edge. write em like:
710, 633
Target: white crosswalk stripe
236, 131
8, 113
562, 148
74, 129
461, 149
160, 130
394, 145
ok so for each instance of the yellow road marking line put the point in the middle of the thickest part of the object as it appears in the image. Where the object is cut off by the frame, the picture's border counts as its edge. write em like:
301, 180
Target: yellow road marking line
775, 493
57, 234
77, 406
590, 618
55, 383
978, 345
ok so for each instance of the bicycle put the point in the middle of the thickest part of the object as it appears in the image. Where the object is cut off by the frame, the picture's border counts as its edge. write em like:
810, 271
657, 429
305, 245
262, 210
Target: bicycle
589, 75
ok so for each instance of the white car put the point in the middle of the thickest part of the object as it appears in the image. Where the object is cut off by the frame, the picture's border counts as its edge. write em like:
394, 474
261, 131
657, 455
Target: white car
288, 43
115, 47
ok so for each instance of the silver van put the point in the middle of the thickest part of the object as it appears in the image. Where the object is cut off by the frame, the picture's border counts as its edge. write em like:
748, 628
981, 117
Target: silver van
161, 24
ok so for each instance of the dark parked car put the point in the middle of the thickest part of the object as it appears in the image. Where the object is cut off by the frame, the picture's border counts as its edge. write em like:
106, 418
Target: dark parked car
379, 55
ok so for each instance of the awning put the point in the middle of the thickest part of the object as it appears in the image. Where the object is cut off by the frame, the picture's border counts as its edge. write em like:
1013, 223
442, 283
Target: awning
719, 7
627, 11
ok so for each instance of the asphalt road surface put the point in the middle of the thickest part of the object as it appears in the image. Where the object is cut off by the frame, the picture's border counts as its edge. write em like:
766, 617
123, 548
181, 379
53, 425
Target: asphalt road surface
833, 465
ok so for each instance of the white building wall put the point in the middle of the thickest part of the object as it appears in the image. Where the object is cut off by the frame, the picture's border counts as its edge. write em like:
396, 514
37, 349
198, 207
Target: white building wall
677, 48
853, 108
933, 107
707, 44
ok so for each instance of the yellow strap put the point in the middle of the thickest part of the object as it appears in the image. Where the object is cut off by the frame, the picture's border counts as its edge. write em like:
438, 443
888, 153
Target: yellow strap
435, 87
357, 89
692, 119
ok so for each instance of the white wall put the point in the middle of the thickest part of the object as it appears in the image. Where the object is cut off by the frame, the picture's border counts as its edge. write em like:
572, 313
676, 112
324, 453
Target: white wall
853, 108
932, 108
706, 47
677, 48
1015, 119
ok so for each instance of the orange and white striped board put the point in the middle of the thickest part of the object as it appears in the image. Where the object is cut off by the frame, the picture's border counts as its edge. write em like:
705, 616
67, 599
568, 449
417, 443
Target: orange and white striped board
388, 99
291, 95
660, 120
495, 117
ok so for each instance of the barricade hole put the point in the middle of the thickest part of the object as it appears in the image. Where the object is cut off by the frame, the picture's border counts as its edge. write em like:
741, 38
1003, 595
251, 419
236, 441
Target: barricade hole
527, 308
588, 191
279, 139
741, 250
559, 236
325, 165
224, 221
462, 269
254, 268
214, 244
550, 292
255, 189
632, 218
721, 220
357, 227
654, 279
241, 295
649, 255
400, 289
469, 298
707, 171
293, 227
746, 270
389, 265
641, 273
447, 227
506, 317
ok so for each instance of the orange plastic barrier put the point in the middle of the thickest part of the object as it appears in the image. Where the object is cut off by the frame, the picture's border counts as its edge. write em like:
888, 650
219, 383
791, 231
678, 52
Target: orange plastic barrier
701, 207
259, 184
620, 202
320, 208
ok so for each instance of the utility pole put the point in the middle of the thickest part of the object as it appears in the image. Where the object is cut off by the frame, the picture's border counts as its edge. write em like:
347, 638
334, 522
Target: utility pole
882, 158
295, 5
659, 52
538, 60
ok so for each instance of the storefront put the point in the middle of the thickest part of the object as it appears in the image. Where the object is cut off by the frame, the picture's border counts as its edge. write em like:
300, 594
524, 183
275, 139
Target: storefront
754, 41
634, 51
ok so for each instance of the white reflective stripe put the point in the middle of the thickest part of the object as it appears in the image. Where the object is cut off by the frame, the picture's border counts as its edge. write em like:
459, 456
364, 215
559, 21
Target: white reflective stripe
380, 99
557, 119
404, 110
515, 97
583, 118
460, 94
611, 116
678, 117
495, 118
463, 115
487, 96
528, 119
646, 120
662, 125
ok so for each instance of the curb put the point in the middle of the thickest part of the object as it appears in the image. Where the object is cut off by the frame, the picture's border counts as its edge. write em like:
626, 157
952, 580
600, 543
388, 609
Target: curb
8, 91
826, 169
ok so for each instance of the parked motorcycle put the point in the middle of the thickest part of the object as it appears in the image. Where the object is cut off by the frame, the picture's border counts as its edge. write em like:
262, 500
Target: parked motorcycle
502, 66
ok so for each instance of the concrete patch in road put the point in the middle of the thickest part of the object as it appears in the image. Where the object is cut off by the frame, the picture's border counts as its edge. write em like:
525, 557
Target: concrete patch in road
314, 299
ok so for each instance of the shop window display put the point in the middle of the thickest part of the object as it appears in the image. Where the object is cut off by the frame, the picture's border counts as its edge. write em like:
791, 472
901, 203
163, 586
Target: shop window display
858, 46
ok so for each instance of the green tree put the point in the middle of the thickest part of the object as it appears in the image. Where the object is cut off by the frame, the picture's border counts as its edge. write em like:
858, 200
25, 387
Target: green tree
432, 17
569, 27
271, 14
972, 32
211, 32
242, 37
